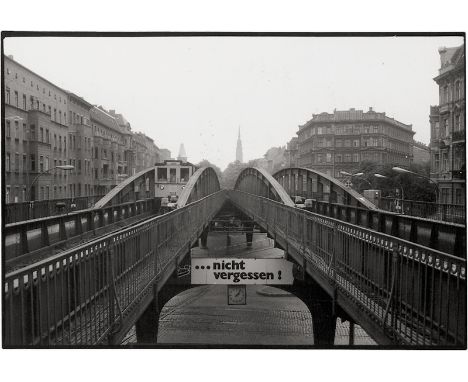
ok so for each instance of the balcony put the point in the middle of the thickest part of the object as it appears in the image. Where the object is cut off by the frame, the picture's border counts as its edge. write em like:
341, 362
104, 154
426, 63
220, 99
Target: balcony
444, 108
458, 135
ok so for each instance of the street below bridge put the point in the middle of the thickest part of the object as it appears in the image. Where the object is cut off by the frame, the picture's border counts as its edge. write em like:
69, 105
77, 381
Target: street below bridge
271, 316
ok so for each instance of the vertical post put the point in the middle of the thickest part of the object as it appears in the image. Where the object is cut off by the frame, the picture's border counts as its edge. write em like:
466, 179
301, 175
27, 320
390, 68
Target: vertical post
112, 293
351, 333
204, 238
249, 233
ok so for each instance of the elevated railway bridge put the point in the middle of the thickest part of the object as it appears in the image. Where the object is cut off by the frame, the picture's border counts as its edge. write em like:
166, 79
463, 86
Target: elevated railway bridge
403, 279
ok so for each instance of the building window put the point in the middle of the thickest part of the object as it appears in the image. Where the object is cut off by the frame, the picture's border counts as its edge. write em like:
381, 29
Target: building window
50, 110
8, 129
458, 196
356, 143
7, 194
446, 127
338, 158
347, 158
445, 161
436, 162
328, 157
16, 99
17, 162
55, 115
7, 95
436, 130
457, 123
7, 162
17, 134
25, 162
33, 163
46, 167
41, 163
41, 137
347, 143
32, 133
445, 195
24, 102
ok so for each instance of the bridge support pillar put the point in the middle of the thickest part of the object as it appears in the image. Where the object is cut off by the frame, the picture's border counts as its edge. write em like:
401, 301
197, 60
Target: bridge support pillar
321, 307
148, 324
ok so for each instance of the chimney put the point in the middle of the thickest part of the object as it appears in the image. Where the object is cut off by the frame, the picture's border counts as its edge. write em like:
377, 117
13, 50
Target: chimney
370, 109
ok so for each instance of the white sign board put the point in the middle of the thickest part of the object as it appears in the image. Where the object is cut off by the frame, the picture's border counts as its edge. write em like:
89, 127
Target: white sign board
241, 271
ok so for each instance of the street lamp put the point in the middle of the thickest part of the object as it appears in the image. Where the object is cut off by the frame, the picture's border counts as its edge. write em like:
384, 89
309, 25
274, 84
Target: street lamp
377, 175
358, 174
65, 167
405, 171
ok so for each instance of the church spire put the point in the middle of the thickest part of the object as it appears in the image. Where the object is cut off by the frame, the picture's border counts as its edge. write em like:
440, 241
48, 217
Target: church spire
182, 155
239, 156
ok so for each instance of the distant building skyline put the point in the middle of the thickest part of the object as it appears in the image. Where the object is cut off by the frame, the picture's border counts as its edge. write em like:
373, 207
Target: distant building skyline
199, 89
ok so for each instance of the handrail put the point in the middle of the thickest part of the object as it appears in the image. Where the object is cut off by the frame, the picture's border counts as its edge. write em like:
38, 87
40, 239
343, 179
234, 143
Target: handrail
73, 296
426, 304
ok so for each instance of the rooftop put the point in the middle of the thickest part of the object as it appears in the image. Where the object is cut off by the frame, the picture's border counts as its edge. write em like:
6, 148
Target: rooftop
353, 115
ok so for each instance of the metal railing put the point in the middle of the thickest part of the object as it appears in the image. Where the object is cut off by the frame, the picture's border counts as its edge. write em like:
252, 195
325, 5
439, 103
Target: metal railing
455, 213
25, 241
416, 295
443, 236
16, 212
86, 295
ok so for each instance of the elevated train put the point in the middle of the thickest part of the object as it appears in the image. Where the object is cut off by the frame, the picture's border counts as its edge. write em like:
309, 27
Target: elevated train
170, 180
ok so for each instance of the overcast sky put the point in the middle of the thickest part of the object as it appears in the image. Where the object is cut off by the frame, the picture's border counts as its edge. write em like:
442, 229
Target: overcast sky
199, 90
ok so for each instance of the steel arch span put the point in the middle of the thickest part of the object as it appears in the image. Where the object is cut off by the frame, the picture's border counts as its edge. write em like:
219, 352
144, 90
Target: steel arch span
258, 181
140, 185
202, 183
322, 187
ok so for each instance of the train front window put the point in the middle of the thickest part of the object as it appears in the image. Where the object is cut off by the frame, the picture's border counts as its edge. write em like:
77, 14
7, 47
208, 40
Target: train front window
184, 174
162, 174
172, 175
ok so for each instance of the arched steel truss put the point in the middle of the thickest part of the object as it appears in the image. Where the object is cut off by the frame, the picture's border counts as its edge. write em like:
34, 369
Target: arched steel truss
138, 186
141, 186
322, 187
202, 183
258, 181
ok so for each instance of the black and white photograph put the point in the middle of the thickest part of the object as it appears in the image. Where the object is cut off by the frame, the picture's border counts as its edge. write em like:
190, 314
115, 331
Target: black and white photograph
233, 189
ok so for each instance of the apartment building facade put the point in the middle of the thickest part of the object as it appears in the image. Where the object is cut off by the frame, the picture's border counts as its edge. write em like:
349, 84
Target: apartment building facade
340, 141
47, 128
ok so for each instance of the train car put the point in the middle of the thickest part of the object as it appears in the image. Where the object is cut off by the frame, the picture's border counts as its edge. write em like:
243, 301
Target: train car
170, 179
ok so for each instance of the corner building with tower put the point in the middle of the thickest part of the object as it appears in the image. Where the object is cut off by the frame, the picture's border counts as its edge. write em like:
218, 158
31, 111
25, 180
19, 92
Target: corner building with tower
447, 122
